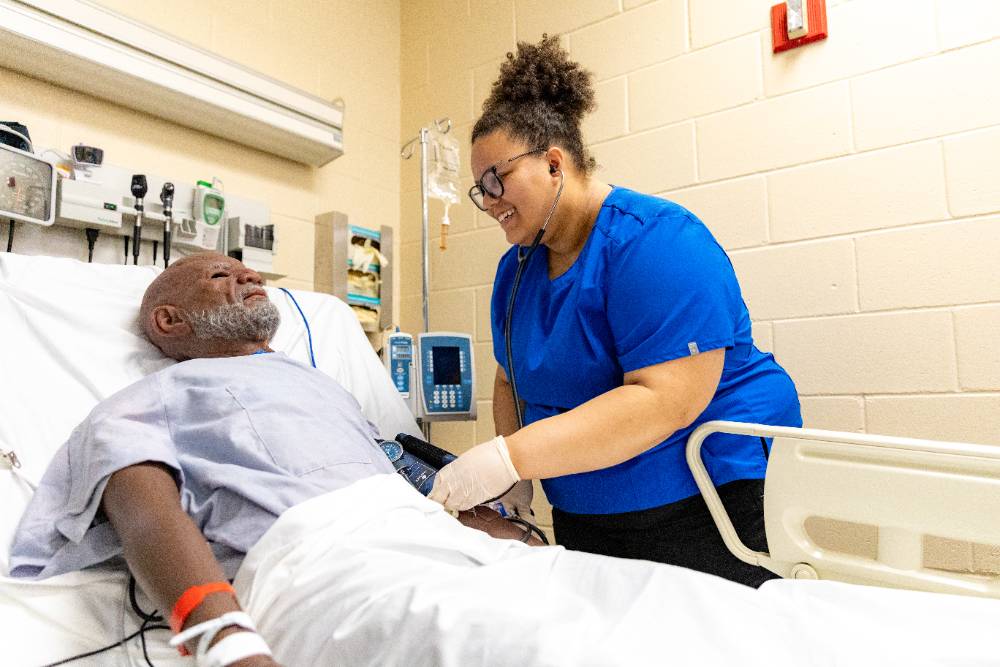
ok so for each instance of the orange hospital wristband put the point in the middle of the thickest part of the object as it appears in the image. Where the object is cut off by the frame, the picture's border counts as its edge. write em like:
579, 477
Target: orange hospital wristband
192, 597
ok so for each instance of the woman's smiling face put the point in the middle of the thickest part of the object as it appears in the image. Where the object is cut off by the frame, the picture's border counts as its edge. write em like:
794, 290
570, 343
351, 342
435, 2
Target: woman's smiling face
527, 184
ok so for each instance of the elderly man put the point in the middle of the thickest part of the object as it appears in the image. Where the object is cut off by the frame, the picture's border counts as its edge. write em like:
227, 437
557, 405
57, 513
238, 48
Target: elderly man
185, 470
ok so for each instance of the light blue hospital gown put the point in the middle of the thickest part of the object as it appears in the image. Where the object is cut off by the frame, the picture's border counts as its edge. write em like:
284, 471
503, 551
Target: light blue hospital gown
247, 438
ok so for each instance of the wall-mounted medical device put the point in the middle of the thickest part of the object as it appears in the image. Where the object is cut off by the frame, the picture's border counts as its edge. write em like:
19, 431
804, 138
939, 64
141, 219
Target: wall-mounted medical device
446, 369
434, 374
101, 197
356, 262
27, 188
399, 357
250, 235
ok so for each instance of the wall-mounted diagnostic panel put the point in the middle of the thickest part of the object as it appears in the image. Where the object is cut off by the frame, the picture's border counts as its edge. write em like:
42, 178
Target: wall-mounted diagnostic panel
28, 187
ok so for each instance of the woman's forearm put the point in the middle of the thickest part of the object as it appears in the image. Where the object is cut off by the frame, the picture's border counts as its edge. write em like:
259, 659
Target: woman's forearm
619, 424
602, 432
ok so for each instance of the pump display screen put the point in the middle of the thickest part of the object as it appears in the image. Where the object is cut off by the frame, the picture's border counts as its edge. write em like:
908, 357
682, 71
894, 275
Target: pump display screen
447, 369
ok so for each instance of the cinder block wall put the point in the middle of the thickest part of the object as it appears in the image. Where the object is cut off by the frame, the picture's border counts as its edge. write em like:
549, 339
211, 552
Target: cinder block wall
854, 182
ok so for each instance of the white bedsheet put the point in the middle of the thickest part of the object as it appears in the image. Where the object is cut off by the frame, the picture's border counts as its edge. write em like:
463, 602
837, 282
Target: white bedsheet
375, 574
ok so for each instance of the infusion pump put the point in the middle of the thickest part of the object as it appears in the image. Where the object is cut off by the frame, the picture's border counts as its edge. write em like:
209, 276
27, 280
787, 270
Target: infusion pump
435, 374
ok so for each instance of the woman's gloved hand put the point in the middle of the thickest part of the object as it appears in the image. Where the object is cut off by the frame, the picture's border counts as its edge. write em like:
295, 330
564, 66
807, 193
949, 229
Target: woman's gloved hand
517, 501
482, 473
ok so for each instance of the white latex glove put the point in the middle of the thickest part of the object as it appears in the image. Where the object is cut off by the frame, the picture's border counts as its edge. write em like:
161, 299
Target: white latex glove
482, 473
517, 501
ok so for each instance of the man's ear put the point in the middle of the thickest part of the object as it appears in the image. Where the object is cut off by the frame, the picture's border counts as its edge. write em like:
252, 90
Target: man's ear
169, 321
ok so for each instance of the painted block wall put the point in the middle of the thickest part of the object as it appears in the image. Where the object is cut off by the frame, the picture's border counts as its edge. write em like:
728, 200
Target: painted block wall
855, 183
333, 49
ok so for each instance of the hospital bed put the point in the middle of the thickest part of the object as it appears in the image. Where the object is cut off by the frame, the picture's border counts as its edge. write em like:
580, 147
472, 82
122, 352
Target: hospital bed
68, 338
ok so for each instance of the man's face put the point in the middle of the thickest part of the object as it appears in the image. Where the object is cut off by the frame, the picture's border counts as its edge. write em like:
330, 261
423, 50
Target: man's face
208, 305
227, 301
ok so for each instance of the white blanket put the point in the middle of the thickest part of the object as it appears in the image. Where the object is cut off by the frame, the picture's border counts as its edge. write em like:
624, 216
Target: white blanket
377, 575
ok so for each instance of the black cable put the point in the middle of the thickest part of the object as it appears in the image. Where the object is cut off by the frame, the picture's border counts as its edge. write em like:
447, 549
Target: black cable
155, 244
106, 648
151, 617
10, 235
147, 619
142, 639
521, 263
529, 527
91, 241
148, 623
763, 443
126, 249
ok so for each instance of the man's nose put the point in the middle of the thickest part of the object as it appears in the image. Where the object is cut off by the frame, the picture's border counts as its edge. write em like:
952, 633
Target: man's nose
249, 276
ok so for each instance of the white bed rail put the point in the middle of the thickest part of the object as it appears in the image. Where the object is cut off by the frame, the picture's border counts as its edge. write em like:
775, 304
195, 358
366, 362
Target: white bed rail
907, 488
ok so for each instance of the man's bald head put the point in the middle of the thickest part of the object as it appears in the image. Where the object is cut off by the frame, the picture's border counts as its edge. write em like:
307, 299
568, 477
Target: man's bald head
208, 305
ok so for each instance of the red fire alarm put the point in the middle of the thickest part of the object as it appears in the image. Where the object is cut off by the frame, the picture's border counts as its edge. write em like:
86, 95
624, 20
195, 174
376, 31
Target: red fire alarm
815, 20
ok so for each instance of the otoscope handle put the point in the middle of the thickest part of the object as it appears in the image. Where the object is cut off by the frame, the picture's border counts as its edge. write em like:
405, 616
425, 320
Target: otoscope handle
139, 189
167, 197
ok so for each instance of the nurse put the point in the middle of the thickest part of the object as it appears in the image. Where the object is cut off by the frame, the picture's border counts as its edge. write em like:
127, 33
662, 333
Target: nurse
627, 331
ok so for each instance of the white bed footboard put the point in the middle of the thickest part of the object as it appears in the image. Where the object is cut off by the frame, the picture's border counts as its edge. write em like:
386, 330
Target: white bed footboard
906, 488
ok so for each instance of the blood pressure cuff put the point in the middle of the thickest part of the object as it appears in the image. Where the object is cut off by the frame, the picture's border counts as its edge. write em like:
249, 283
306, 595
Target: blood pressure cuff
416, 460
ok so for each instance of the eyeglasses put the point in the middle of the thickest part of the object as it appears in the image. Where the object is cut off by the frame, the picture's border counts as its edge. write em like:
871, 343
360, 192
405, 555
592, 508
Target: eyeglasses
490, 182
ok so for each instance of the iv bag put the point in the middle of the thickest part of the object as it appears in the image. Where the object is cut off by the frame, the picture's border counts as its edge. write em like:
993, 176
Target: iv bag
442, 167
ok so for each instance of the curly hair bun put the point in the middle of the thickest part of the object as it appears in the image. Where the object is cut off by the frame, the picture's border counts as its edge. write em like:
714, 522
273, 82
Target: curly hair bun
542, 73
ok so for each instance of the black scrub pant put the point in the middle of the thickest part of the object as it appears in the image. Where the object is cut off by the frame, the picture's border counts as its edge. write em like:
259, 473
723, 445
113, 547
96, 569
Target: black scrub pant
681, 533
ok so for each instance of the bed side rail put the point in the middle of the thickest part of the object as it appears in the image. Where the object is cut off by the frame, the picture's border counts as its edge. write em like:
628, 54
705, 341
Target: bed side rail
907, 488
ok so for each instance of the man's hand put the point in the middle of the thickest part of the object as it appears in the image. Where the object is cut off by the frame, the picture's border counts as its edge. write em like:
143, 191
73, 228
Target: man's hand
482, 473
490, 522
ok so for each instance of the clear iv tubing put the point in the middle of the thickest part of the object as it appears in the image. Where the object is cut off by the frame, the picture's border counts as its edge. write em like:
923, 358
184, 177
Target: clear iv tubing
522, 261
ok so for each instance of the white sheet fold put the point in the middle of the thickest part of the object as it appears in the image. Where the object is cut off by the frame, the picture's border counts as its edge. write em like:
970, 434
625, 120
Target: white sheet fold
375, 574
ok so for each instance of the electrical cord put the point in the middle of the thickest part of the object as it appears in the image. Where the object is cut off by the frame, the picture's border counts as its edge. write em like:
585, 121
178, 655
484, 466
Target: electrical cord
530, 528
149, 622
107, 648
10, 235
147, 619
92, 234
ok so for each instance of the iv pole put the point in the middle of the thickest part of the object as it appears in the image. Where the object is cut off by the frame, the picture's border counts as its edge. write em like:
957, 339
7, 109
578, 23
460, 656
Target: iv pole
443, 125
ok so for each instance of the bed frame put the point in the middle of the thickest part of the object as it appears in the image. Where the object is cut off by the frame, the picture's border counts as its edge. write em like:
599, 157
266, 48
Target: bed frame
907, 488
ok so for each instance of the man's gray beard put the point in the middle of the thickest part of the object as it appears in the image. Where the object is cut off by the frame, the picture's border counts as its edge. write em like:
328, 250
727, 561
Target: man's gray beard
236, 321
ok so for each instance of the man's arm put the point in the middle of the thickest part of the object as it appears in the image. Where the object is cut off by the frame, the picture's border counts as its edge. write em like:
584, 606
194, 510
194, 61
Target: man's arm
164, 549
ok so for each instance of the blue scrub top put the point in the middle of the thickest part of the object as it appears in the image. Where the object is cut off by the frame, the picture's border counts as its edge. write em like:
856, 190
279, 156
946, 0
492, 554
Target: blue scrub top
651, 284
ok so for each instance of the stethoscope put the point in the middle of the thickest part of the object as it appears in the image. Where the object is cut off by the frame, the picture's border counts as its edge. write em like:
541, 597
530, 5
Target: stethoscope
522, 261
